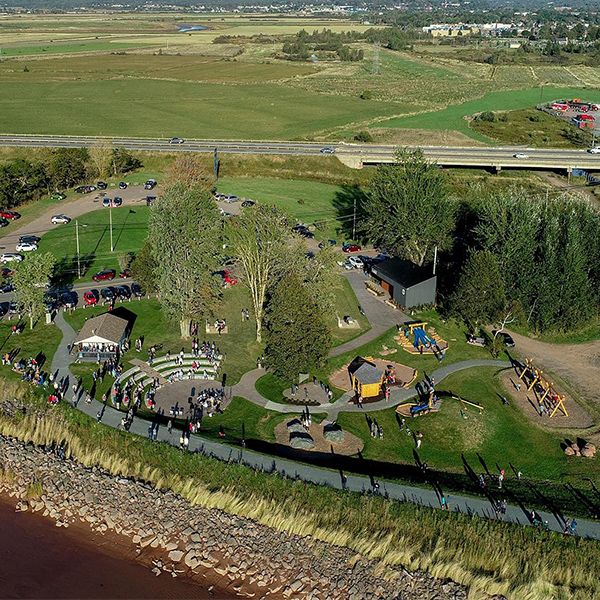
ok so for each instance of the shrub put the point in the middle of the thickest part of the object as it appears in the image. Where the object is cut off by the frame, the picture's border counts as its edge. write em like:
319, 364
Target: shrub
363, 136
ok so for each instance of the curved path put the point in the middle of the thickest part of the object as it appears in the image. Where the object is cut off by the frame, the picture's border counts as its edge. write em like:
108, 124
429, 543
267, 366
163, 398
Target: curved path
296, 470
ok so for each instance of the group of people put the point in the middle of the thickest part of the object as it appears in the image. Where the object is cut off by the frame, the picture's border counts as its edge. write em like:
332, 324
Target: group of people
207, 403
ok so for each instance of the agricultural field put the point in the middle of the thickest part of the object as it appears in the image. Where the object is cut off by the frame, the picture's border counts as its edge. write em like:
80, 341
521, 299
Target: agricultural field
155, 79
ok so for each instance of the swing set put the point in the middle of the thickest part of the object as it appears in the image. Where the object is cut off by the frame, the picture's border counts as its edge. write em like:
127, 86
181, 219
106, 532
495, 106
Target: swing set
545, 393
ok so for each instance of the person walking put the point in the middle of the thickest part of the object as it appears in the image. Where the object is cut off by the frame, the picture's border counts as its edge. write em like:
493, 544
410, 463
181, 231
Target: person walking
500, 479
419, 438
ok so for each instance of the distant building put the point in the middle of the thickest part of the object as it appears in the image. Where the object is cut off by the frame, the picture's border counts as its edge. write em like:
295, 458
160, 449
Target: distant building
407, 284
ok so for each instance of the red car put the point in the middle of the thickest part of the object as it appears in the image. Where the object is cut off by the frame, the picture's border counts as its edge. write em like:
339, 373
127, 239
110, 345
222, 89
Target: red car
91, 297
125, 273
108, 275
228, 278
351, 248
9, 214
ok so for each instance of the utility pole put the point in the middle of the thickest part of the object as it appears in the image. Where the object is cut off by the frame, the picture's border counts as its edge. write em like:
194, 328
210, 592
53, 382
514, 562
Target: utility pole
354, 220
111, 235
77, 238
434, 259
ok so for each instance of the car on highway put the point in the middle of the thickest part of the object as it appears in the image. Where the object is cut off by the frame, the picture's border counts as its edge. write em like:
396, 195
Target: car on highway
176, 140
248, 203
122, 185
136, 290
506, 338
327, 150
107, 294
520, 155
150, 184
31, 239
4, 222
594, 150
6, 287
85, 189
106, 275
348, 247
26, 247
11, 215
60, 219
58, 196
91, 297
68, 299
11, 257
123, 291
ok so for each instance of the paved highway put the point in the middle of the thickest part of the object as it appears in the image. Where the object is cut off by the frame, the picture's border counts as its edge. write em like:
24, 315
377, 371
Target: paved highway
352, 154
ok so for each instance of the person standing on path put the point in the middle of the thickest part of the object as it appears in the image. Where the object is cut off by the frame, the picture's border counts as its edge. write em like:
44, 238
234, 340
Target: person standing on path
500, 479
419, 439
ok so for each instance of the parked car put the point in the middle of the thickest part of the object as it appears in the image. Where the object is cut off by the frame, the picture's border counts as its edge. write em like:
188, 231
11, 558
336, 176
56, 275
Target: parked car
327, 243
118, 201
91, 297
356, 262
348, 247
11, 257
26, 247
150, 184
6, 272
60, 220
69, 299
122, 185
102, 185
3, 223
150, 200
13, 308
594, 150
248, 203
123, 291
327, 150
136, 290
228, 278
106, 202
231, 199
107, 275
107, 294
520, 155
125, 273
30, 239
176, 140
505, 337
11, 215
85, 189
58, 196
6, 287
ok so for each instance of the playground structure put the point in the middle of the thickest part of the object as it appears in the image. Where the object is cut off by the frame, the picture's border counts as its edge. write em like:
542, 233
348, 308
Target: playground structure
548, 399
419, 408
415, 338
372, 378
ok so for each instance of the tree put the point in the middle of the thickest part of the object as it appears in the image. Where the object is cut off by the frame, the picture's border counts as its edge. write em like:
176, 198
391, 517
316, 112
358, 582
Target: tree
67, 166
123, 161
184, 234
407, 209
142, 268
479, 297
297, 336
191, 171
258, 238
101, 158
29, 280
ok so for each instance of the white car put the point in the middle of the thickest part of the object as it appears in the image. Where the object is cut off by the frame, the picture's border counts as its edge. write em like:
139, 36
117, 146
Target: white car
60, 219
26, 247
356, 262
176, 140
11, 257
520, 155
594, 150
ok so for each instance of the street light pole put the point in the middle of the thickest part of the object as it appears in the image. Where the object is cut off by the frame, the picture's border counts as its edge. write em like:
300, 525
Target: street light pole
354, 220
77, 238
111, 235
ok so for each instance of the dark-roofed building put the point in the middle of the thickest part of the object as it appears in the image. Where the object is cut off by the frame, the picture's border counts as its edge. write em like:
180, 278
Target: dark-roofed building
407, 284
102, 336
365, 377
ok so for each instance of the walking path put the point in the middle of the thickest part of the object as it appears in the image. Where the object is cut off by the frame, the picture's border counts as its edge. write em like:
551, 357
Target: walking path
296, 470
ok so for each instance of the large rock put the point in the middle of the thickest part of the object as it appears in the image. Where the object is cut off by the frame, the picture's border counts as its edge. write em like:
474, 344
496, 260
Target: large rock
301, 441
295, 426
332, 432
176, 555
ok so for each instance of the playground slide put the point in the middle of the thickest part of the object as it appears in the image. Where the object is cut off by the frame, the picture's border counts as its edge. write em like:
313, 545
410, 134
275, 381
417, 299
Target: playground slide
421, 338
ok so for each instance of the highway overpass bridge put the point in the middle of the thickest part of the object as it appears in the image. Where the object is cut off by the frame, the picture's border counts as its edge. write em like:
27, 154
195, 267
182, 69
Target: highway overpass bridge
353, 155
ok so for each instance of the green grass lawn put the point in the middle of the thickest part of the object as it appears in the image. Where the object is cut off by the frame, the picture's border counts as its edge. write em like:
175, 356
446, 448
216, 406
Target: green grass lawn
130, 228
453, 117
346, 304
42, 338
68, 48
153, 108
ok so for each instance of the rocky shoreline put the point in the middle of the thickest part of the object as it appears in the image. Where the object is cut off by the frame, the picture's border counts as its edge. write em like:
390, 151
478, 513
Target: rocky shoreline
174, 538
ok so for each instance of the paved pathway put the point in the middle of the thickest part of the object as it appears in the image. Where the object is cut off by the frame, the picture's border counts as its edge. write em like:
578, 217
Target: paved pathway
380, 315
296, 470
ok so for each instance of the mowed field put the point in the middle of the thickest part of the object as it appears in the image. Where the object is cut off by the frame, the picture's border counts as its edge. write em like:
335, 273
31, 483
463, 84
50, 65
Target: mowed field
138, 75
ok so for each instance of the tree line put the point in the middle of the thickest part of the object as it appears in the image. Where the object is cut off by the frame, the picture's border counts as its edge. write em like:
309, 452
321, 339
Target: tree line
23, 180
512, 253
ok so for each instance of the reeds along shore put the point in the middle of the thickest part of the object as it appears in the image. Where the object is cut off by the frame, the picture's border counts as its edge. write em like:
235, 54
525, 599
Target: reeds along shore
490, 558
